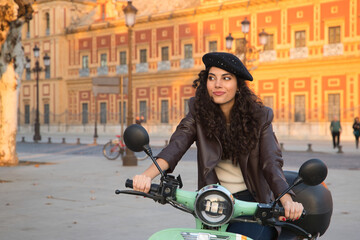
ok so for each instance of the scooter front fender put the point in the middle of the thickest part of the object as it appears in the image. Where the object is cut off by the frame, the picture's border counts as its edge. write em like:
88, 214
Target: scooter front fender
190, 233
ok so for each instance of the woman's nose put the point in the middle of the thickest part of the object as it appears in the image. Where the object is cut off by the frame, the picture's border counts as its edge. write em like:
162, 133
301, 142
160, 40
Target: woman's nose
217, 83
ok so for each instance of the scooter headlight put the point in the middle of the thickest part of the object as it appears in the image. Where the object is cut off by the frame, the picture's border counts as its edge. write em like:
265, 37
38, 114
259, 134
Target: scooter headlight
214, 205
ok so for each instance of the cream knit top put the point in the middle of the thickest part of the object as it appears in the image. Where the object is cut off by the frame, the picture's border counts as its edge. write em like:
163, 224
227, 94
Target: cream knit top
230, 176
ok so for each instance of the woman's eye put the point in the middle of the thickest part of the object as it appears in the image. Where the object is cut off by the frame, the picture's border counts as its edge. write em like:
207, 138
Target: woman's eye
227, 78
210, 78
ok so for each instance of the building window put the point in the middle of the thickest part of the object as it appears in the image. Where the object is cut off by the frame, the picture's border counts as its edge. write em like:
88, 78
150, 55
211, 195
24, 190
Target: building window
334, 35
143, 111
165, 54
85, 62
333, 106
103, 60
269, 101
46, 113
300, 39
123, 58
124, 112
188, 50
213, 46
47, 19
28, 73
299, 110
240, 45
186, 106
143, 55
47, 72
27, 114
103, 113
270, 43
164, 111
103, 11
85, 113
28, 30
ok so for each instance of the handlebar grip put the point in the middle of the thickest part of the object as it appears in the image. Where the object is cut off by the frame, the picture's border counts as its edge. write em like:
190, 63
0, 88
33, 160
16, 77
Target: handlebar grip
129, 183
154, 188
281, 212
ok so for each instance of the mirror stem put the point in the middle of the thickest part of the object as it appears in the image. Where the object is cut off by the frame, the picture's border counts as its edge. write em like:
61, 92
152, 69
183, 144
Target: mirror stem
148, 151
297, 181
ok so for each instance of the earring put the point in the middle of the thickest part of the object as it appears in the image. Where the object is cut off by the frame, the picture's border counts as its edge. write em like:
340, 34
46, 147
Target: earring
237, 91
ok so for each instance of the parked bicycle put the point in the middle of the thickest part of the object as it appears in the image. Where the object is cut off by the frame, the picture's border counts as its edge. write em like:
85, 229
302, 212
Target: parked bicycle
116, 147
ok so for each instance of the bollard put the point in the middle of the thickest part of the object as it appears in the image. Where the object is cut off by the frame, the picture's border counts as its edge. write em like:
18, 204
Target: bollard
78, 141
95, 141
22, 139
282, 146
63, 141
166, 142
340, 149
309, 148
49, 140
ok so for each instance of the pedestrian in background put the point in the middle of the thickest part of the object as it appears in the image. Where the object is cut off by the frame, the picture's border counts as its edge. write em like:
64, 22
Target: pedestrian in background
356, 127
335, 128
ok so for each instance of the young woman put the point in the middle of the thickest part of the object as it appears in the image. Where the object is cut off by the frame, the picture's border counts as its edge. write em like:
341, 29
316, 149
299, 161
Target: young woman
235, 142
356, 127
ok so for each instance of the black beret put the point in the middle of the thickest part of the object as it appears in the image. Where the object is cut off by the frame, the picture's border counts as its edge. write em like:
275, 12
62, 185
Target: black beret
227, 62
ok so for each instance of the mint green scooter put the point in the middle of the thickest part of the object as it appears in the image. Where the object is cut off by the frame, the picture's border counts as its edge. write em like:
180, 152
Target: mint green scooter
214, 207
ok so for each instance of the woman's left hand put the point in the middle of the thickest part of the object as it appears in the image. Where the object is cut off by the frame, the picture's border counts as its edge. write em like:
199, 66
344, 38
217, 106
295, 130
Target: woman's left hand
293, 210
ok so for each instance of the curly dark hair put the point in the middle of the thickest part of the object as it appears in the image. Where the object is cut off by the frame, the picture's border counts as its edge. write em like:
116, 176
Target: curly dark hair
243, 133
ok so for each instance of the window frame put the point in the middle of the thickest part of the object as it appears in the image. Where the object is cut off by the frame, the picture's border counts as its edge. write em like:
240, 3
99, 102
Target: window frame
164, 115
141, 55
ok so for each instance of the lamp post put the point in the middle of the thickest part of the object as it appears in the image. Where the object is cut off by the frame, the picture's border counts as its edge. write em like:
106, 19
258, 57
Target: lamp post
245, 27
130, 16
229, 40
37, 69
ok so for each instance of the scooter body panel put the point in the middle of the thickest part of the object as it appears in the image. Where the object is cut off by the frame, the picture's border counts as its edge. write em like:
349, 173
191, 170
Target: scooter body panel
200, 234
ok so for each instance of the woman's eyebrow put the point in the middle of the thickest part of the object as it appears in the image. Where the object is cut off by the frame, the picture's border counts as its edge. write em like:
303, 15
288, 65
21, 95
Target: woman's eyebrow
225, 74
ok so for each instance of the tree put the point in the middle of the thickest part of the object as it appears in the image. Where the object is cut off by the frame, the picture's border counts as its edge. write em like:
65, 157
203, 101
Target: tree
13, 14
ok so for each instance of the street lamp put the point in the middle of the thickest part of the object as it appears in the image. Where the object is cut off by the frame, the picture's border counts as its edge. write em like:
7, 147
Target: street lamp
130, 16
37, 69
229, 40
245, 28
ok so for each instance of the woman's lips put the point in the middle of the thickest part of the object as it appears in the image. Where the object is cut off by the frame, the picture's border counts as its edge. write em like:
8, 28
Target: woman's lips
218, 93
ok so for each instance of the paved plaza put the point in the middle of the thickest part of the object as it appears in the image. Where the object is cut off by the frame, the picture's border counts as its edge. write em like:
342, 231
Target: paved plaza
66, 191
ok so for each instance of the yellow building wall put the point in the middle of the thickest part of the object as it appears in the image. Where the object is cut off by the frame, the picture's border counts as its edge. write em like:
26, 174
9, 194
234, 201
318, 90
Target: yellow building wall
315, 72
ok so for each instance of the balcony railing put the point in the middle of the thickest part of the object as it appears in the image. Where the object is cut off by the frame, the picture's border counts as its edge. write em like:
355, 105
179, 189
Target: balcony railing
102, 71
142, 67
334, 49
299, 53
164, 65
84, 72
187, 63
122, 69
268, 56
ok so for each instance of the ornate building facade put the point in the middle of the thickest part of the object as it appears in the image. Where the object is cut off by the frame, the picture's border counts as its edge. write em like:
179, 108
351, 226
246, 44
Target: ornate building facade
308, 71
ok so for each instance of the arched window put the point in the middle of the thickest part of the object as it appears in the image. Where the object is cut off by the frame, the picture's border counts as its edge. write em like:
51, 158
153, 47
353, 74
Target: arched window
47, 19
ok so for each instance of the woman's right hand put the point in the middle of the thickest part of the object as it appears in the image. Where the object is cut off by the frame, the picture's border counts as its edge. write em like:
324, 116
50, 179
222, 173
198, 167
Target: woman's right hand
141, 183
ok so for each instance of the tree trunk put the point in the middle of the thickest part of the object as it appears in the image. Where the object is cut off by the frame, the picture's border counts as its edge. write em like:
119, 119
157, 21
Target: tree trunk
8, 117
12, 16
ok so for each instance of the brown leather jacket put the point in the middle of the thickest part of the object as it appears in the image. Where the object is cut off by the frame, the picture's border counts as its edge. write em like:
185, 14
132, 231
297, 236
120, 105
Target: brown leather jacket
261, 168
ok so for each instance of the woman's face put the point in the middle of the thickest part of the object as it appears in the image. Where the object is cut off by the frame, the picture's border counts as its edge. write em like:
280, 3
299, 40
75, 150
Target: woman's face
222, 86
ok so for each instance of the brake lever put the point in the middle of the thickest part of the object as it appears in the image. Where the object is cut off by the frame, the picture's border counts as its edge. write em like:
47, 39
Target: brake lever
137, 193
296, 229
155, 197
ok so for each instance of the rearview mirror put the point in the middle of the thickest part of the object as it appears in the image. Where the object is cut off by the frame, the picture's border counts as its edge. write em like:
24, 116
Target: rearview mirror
136, 138
313, 172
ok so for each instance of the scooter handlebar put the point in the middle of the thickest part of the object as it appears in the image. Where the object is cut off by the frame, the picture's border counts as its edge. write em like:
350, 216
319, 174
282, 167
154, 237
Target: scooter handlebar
280, 211
153, 189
